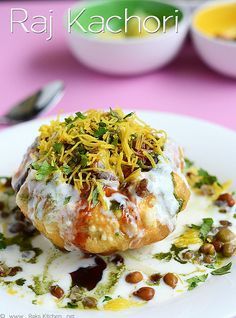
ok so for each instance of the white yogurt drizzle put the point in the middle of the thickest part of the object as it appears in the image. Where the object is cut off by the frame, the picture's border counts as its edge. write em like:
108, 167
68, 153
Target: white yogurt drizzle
160, 184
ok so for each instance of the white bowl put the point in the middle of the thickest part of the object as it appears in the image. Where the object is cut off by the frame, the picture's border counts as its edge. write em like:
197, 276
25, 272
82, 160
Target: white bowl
128, 56
219, 55
189, 4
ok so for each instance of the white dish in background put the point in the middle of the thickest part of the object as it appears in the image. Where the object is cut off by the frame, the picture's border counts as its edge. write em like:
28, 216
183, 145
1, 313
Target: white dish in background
127, 56
215, 154
218, 54
189, 4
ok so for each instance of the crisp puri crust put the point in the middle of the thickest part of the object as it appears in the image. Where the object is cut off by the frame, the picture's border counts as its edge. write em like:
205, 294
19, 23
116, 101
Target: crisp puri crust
95, 231
50, 230
102, 182
182, 192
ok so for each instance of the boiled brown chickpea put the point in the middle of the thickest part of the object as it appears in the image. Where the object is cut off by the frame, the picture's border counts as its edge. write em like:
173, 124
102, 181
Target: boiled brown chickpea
228, 198
89, 302
57, 291
225, 223
217, 245
155, 278
134, 277
228, 250
208, 259
225, 235
187, 255
14, 270
117, 259
145, 293
207, 249
171, 280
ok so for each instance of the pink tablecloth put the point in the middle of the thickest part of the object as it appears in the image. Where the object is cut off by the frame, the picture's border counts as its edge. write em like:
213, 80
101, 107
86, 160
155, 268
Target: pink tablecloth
28, 61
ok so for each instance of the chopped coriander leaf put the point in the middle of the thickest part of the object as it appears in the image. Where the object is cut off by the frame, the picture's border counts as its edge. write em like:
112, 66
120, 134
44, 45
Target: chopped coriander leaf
83, 160
115, 205
205, 228
81, 149
20, 281
172, 254
80, 115
163, 256
194, 281
71, 126
25, 244
115, 140
37, 252
2, 242
95, 195
35, 165
114, 113
57, 147
43, 169
117, 234
107, 128
194, 226
129, 115
66, 169
67, 200
143, 166
179, 260
71, 305
24, 241
101, 130
175, 251
188, 163
206, 178
222, 270
234, 216
106, 298
68, 120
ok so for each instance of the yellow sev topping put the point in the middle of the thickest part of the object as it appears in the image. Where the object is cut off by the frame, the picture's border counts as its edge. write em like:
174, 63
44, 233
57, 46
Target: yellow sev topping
96, 145
190, 236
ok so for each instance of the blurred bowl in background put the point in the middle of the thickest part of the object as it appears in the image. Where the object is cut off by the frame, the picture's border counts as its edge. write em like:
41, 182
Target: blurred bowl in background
129, 53
189, 4
214, 35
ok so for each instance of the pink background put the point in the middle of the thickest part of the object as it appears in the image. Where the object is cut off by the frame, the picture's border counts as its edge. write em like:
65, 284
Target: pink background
27, 61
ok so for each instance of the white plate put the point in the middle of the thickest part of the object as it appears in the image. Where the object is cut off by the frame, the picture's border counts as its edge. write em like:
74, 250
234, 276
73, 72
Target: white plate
211, 147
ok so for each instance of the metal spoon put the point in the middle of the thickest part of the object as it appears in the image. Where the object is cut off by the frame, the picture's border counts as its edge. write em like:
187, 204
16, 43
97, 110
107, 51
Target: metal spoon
40, 102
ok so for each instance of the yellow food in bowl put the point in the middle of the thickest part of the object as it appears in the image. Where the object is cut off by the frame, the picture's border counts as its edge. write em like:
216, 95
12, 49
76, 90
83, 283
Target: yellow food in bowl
217, 21
135, 28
